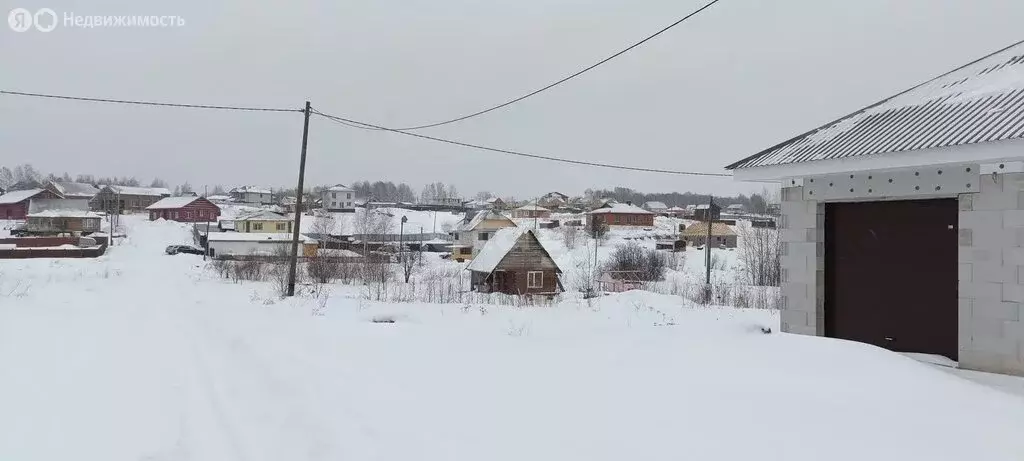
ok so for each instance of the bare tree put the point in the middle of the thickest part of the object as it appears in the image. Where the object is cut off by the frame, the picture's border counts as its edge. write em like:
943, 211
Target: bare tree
760, 252
570, 236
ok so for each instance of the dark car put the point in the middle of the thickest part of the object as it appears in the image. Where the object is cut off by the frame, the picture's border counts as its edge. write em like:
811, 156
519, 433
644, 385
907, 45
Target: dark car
175, 249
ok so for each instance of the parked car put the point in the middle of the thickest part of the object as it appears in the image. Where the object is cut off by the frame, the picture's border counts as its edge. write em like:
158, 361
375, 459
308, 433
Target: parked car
175, 249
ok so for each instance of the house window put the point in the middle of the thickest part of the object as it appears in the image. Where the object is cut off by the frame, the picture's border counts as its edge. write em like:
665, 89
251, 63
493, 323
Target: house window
465, 251
282, 226
257, 226
188, 215
334, 195
483, 236
535, 279
175, 215
348, 196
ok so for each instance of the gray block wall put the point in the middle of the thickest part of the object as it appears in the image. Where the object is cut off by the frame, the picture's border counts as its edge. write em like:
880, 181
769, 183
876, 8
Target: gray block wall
991, 271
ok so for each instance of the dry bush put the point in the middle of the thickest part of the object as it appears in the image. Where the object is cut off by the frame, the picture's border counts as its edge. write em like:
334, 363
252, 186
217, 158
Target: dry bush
649, 264
570, 236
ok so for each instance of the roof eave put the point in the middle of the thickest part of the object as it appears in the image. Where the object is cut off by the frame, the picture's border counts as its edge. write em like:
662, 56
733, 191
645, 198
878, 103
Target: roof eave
986, 152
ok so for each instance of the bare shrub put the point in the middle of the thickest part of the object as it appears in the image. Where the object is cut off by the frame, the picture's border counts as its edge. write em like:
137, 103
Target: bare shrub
649, 265
760, 252
570, 236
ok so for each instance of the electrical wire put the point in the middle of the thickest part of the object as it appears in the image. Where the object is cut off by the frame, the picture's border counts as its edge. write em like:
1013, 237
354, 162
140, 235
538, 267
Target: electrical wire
566, 79
149, 103
349, 122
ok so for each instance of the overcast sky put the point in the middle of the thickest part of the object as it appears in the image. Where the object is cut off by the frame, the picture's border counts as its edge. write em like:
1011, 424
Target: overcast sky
740, 77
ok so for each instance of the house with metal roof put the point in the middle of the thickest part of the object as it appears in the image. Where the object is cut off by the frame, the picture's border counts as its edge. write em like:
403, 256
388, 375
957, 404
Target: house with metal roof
901, 223
515, 262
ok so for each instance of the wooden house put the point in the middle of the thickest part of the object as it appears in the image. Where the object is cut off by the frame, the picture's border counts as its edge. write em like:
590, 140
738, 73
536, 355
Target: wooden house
515, 262
531, 212
676, 212
184, 209
472, 234
253, 195
721, 235
16, 203
120, 199
63, 221
623, 214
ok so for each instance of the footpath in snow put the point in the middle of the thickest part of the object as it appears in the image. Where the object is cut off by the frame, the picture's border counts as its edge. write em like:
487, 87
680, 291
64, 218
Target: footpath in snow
143, 356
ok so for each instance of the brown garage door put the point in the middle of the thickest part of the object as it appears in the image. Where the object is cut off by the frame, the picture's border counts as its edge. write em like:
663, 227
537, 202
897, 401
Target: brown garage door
891, 274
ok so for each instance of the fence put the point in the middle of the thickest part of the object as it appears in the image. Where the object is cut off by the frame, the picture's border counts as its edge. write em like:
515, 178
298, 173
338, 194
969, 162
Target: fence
38, 252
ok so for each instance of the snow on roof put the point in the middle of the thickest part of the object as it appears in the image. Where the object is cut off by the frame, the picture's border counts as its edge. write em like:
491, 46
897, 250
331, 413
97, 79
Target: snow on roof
621, 208
340, 188
171, 202
735, 206
976, 103
717, 229
218, 198
483, 216
255, 237
64, 214
147, 191
656, 205
532, 208
337, 253
250, 189
675, 208
75, 189
261, 215
16, 196
496, 248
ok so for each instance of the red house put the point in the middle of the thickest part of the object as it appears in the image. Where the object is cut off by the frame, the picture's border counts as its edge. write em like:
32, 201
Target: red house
623, 214
184, 209
15, 204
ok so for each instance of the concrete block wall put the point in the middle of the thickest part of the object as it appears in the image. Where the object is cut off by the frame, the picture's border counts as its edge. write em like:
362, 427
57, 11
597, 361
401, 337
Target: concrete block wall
802, 227
990, 268
991, 275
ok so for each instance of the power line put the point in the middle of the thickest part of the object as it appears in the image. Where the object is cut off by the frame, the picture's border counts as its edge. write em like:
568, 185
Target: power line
349, 122
149, 103
566, 79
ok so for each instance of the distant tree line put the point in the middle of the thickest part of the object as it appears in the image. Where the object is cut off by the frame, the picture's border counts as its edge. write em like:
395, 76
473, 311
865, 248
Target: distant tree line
25, 176
757, 203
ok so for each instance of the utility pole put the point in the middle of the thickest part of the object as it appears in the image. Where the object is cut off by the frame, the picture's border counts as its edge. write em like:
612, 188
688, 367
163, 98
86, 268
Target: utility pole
298, 203
707, 248
206, 251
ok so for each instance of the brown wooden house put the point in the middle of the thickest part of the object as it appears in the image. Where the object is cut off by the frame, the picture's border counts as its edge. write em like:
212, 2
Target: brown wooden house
515, 262
120, 199
16, 203
721, 235
63, 221
623, 214
184, 209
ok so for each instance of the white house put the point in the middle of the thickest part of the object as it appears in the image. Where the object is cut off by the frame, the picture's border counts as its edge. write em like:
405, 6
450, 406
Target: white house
339, 198
472, 235
252, 195
257, 244
902, 222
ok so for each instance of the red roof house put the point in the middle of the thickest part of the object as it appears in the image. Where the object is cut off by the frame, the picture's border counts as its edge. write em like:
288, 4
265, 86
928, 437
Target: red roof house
184, 209
623, 214
15, 204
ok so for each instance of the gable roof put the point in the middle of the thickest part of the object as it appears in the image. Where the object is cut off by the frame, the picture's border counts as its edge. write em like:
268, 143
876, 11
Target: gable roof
978, 102
340, 188
64, 213
17, 196
146, 191
498, 246
701, 228
250, 189
262, 215
656, 205
621, 208
483, 216
167, 203
532, 208
75, 189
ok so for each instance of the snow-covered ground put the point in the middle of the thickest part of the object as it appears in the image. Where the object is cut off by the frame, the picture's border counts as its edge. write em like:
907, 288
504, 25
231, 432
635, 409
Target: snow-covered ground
142, 356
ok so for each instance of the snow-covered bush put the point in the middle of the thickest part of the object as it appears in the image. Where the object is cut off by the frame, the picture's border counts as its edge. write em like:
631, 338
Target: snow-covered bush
648, 264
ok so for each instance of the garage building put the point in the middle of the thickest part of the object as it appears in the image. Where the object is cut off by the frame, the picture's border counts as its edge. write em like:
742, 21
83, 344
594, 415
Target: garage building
903, 222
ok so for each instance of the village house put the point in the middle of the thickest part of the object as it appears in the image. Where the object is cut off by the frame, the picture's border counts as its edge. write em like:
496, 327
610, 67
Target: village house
184, 209
902, 221
656, 207
623, 214
58, 221
120, 199
219, 199
676, 212
252, 195
16, 203
258, 244
705, 212
722, 235
736, 209
553, 200
515, 262
339, 198
473, 234
531, 212
262, 221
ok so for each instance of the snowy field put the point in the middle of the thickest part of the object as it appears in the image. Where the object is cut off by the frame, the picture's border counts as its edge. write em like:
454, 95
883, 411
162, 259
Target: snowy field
142, 356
